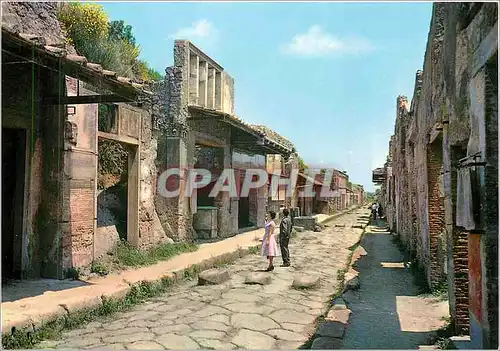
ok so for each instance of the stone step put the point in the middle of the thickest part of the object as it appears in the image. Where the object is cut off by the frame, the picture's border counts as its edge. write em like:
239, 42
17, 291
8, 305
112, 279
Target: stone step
462, 342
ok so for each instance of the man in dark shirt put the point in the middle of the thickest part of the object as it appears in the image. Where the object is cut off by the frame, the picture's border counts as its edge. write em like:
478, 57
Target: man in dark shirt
285, 233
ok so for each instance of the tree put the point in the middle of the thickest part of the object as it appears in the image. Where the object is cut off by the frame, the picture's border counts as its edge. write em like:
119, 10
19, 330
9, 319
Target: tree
84, 23
119, 31
111, 44
302, 164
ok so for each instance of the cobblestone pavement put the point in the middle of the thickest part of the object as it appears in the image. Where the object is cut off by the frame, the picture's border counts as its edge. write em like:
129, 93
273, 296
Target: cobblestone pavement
234, 314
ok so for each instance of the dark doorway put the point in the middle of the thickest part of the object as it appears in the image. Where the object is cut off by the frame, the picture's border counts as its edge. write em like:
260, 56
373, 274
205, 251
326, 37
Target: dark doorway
13, 175
244, 213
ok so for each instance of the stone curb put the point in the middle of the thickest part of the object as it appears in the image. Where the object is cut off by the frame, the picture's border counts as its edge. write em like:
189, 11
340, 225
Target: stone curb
69, 305
338, 316
331, 331
336, 215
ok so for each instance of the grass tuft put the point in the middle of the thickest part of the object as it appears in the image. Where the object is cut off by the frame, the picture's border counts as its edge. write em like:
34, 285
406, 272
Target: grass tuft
24, 339
126, 256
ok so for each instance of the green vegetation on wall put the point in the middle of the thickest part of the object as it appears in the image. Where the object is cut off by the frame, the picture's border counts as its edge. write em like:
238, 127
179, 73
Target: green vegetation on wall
110, 44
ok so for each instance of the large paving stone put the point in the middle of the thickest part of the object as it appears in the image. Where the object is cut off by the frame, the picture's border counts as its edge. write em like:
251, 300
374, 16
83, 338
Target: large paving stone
338, 315
213, 276
210, 325
291, 316
178, 328
110, 347
177, 342
221, 318
286, 335
331, 330
209, 311
249, 339
207, 334
262, 278
145, 345
144, 315
80, 343
215, 344
306, 281
324, 343
248, 307
253, 322
129, 338
240, 295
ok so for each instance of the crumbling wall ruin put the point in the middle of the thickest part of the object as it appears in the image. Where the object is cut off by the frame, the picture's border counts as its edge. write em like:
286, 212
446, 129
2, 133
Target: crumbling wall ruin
453, 116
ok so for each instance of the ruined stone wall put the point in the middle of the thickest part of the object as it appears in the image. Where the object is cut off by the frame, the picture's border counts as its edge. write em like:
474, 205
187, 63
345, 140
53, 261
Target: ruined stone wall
80, 154
490, 240
35, 18
454, 116
151, 231
38, 250
170, 116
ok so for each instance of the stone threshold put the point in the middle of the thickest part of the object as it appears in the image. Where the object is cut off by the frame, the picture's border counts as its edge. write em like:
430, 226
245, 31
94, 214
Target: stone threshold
32, 312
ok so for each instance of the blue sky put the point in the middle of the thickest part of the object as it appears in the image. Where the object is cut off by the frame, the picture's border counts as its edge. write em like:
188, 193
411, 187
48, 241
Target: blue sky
324, 75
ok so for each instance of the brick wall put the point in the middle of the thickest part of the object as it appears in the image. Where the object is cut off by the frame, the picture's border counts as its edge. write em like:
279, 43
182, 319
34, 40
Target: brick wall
437, 225
490, 240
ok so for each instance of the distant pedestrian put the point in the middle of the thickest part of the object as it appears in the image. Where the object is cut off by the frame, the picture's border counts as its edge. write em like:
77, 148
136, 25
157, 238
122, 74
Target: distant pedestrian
269, 247
380, 211
285, 233
374, 211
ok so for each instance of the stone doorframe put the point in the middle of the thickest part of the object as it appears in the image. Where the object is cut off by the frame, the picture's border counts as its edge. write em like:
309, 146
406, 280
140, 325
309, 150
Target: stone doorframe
128, 133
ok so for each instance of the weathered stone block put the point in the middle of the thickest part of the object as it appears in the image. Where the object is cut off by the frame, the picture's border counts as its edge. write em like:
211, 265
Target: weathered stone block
306, 282
261, 278
340, 315
213, 277
308, 223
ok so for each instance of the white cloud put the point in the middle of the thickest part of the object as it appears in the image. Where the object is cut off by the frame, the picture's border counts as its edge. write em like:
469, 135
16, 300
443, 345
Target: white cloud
201, 30
316, 42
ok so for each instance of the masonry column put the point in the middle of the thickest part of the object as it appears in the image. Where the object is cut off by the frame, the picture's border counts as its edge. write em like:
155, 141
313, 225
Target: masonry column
223, 200
171, 121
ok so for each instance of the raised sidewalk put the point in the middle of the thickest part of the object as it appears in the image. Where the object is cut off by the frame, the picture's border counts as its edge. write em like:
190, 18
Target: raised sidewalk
31, 312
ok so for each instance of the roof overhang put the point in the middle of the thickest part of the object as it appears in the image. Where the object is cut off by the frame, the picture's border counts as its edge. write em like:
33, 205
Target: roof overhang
33, 49
243, 136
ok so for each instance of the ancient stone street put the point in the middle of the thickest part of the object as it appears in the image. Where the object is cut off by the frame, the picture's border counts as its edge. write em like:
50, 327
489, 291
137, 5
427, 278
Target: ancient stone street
235, 314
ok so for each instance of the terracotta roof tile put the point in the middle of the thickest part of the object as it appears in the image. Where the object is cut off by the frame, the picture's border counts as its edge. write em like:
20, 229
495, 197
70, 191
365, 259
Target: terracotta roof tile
57, 50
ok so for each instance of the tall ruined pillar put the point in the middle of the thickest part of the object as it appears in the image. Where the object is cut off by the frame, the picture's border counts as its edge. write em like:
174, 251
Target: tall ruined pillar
174, 213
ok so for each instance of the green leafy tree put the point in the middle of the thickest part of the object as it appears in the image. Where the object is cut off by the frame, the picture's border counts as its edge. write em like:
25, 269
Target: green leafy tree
111, 44
302, 164
119, 31
84, 22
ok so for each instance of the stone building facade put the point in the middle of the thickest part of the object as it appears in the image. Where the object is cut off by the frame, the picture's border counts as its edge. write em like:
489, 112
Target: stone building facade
440, 182
50, 133
196, 117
